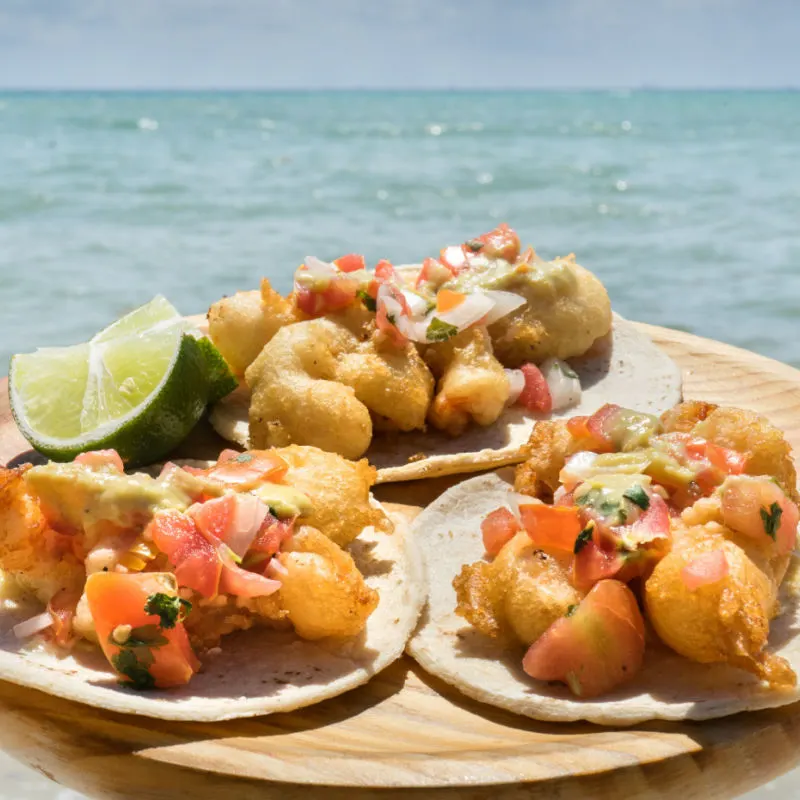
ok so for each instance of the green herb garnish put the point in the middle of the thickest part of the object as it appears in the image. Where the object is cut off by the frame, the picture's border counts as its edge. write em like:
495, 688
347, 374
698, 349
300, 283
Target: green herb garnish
571, 610
474, 244
243, 458
638, 496
439, 331
772, 520
584, 537
170, 609
369, 302
135, 668
144, 636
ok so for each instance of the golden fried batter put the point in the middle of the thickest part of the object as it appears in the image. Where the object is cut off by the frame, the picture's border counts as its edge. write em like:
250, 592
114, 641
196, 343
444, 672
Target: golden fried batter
516, 597
296, 398
323, 594
241, 325
549, 447
37, 557
338, 490
568, 309
684, 416
472, 382
725, 621
768, 452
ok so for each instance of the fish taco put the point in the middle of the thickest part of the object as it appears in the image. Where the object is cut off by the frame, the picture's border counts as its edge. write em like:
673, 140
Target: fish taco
431, 369
265, 581
633, 568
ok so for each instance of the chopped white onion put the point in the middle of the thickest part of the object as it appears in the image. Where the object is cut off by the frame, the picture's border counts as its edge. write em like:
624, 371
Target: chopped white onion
316, 275
565, 386
34, 625
515, 500
414, 329
417, 304
579, 467
504, 304
559, 495
516, 383
475, 307
248, 516
455, 256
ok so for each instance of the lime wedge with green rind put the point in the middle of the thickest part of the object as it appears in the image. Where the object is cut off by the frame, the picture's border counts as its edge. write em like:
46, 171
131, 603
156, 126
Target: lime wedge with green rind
139, 392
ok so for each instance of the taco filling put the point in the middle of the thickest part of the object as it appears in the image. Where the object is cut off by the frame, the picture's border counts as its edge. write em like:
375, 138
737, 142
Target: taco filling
156, 571
449, 344
621, 519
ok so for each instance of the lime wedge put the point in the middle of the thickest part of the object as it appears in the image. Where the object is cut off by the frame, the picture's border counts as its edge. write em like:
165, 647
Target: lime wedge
139, 387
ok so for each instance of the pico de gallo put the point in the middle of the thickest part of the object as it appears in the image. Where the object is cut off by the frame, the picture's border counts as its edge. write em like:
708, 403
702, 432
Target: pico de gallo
629, 494
467, 285
154, 569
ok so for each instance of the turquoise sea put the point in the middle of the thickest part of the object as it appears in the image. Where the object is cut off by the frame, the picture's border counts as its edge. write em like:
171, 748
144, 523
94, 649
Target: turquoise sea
686, 204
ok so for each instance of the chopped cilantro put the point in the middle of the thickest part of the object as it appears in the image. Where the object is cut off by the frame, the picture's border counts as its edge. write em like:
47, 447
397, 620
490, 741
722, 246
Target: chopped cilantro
135, 668
772, 520
638, 496
145, 636
170, 609
369, 302
439, 331
392, 319
243, 458
474, 244
571, 610
566, 369
584, 537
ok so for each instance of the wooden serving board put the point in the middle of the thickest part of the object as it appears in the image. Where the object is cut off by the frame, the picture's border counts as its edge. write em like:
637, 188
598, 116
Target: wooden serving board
406, 734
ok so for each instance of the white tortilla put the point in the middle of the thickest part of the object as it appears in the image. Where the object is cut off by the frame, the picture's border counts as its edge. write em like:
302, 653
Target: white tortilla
624, 368
669, 687
259, 671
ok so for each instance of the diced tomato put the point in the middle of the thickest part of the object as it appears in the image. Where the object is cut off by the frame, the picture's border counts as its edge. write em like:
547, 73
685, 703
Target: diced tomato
592, 432
117, 599
447, 300
339, 294
724, 459
234, 519
228, 455
653, 522
759, 508
196, 562
498, 529
384, 324
247, 470
62, 609
535, 395
551, 527
385, 272
433, 271
599, 646
706, 569
502, 242
596, 559
273, 533
101, 458
351, 263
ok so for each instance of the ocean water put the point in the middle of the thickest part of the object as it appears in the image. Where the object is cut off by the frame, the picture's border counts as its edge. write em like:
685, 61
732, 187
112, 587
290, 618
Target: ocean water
687, 205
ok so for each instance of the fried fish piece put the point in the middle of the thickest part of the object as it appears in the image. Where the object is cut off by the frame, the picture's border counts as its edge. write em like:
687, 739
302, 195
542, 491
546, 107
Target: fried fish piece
339, 491
684, 416
324, 594
242, 324
517, 596
548, 448
725, 621
472, 383
568, 309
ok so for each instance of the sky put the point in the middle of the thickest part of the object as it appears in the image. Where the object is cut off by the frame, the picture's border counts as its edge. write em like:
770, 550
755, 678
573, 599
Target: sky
74, 44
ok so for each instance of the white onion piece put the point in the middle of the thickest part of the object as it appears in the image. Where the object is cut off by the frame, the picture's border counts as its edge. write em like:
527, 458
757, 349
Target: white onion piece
475, 307
317, 274
414, 329
504, 304
515, 500
516, 383
455, 256
417, 305
565, 386
559, 495
248, 517
579, 467
34, 625
276, 568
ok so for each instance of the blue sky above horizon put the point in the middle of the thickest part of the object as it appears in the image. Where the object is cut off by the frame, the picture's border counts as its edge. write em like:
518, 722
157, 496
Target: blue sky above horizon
77, 44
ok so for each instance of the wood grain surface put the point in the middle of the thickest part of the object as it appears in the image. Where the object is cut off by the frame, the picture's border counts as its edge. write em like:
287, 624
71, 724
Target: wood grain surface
406, 734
